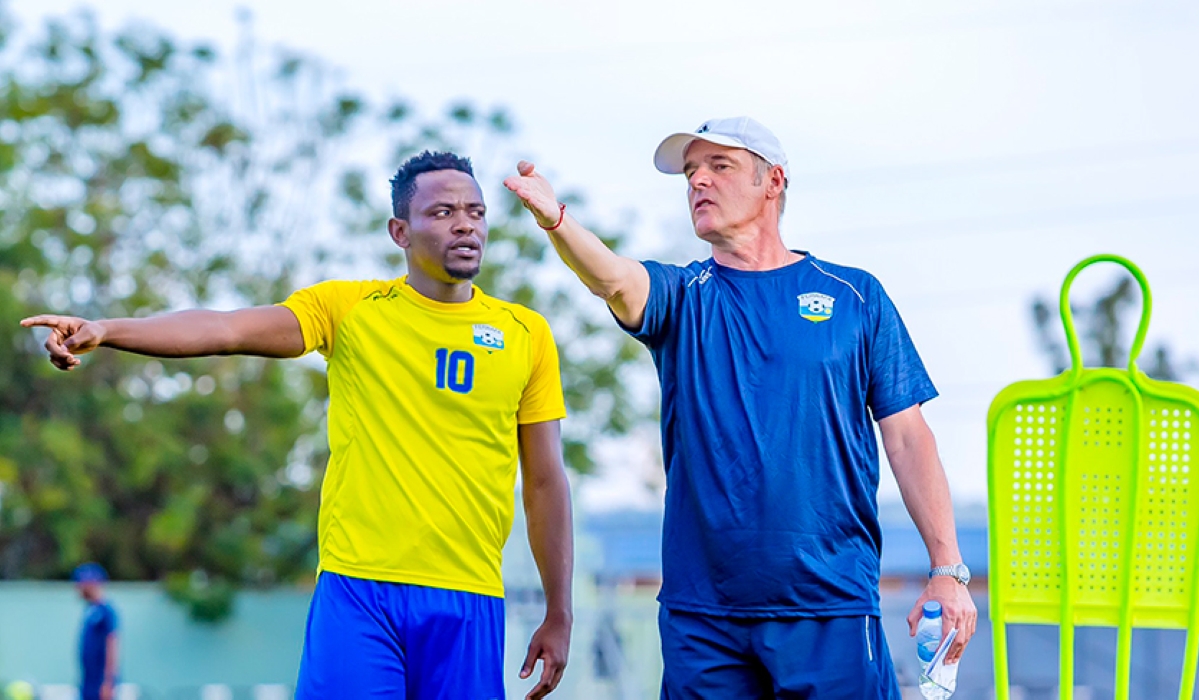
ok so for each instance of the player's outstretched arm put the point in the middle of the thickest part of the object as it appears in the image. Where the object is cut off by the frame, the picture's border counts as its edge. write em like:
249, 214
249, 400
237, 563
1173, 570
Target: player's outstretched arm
547, 509
268, 331
621, 282
912, 452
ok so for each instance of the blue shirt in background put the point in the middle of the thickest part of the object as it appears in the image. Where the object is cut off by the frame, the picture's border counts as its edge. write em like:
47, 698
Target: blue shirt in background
99, 621
770, 381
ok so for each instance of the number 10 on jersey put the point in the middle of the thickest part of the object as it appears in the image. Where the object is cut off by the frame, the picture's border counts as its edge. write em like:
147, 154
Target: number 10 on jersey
455, 370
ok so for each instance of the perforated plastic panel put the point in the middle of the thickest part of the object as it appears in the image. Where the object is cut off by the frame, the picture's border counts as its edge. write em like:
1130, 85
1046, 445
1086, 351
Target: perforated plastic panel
1167, 519
1029, 479
1092, 502
1101, 496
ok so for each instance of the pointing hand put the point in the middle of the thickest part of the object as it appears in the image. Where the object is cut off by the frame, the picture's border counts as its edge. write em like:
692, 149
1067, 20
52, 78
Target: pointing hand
535, 193
69, 337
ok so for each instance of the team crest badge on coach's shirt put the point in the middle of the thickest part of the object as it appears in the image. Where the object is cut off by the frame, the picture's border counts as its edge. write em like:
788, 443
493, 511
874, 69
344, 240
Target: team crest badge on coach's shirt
816, 307
489, 336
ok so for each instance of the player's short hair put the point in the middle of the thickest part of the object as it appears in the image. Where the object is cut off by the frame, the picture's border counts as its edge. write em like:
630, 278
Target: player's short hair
761, 167
403, 184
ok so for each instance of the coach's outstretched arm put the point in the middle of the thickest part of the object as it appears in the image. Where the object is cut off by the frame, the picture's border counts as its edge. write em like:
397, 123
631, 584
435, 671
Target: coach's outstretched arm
268, 331
621, 282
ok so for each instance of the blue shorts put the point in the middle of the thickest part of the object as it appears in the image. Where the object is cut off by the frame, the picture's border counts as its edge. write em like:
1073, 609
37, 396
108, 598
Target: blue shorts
833, 658
370, 639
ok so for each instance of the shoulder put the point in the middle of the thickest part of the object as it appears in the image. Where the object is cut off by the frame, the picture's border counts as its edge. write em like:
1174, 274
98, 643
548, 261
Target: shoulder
100, 615
523, 316
352, 290
361, 290
857, 281
682, 275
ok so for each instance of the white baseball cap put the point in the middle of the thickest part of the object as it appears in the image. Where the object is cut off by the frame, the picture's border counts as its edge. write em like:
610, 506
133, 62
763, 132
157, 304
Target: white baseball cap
734, 132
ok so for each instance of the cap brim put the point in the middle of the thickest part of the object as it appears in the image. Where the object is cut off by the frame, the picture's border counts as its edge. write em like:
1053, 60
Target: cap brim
671, 153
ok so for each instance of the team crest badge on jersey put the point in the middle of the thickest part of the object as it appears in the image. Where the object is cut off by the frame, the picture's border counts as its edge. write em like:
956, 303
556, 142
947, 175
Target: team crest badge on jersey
489, 336
816, 307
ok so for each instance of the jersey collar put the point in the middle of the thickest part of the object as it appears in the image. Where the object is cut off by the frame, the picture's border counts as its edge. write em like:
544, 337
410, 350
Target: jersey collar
474, 304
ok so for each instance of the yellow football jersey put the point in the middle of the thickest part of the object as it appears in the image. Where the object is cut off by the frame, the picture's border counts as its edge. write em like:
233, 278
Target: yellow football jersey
424, 402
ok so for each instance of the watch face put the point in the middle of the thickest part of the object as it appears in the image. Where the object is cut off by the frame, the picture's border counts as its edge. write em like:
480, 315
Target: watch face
961, 573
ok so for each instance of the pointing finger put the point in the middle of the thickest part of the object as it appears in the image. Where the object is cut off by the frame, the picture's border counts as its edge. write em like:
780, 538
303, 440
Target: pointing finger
41, 320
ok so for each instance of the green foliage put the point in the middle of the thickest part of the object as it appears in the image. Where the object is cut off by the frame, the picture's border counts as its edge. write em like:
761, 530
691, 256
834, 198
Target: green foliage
206, 600
130, 186
152, 468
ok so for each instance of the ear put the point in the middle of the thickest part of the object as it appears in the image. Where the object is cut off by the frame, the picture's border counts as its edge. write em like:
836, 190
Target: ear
776, 182
398, 229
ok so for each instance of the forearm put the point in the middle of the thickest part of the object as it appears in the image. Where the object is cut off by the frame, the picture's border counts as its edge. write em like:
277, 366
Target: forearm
111, 661
269, 331
180, 334
925, 492
547, 510
605, 274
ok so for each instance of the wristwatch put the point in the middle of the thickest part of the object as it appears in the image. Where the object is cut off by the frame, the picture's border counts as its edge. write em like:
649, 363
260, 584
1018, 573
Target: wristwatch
958, 571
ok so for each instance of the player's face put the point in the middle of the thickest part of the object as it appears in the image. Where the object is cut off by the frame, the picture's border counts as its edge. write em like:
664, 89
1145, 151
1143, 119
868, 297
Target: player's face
721, 189
88, 590
447, 226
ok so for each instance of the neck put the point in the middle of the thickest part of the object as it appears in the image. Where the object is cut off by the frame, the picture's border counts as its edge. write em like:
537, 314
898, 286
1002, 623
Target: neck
761, 250
456, 292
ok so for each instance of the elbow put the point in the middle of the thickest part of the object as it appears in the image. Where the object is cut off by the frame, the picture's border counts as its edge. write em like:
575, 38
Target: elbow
605, 290
226, 338
546, 491
546, 486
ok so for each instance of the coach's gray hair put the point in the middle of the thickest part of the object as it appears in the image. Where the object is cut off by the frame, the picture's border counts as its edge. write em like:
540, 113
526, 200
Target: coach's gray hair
761, 168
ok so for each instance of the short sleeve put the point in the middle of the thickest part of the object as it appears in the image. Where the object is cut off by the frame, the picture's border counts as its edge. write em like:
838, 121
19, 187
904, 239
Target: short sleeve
109, 623
898, 379
666, 286
542, 398
319, 309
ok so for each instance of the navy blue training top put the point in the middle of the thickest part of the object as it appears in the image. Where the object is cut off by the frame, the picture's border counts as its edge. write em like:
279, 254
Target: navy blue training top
769, 383
99, 621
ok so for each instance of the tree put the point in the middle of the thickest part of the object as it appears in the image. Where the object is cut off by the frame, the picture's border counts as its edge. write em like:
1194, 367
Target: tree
1102, 326
130, 183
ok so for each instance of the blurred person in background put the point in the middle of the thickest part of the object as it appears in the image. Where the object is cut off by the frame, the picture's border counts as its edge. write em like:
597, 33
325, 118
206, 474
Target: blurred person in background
98, 645
436, 392
774, 367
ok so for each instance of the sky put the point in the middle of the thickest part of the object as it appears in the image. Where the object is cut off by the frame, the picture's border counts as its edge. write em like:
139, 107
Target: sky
966, 154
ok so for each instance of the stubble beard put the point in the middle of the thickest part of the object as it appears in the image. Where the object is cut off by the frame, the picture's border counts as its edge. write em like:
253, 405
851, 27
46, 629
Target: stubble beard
462, 274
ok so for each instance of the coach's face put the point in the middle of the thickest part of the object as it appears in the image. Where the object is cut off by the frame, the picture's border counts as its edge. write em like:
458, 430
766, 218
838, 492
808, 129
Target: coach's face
723, 189
446, 228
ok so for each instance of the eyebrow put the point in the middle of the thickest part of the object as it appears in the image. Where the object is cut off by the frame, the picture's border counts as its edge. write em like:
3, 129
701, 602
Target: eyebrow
710, 158
451, 205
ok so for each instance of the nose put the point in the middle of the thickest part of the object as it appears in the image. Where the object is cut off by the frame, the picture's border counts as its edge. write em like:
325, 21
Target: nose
463, 225
699, 179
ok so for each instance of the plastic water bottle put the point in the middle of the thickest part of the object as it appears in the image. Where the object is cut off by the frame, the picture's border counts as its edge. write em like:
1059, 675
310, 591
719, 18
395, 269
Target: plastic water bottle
928, 640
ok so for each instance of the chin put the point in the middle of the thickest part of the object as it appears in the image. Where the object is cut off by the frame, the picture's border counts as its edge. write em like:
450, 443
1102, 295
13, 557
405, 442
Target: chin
462, 273
707, 234
705, 228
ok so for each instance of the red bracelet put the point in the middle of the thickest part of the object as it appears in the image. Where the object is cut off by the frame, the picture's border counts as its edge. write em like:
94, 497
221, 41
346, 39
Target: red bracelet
561, 218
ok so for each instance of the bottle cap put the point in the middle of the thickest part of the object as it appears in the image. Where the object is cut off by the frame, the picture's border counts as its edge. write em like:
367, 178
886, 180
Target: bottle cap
932, 609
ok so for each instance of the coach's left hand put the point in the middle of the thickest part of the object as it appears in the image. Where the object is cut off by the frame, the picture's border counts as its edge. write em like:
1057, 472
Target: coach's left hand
957, 611
551, 644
